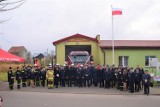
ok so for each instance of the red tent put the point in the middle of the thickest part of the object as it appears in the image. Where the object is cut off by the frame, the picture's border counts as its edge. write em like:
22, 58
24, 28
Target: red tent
7, 57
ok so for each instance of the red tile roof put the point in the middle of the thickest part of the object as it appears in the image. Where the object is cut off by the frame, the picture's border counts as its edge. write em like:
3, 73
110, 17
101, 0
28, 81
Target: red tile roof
74, 36
16, 49
130, 43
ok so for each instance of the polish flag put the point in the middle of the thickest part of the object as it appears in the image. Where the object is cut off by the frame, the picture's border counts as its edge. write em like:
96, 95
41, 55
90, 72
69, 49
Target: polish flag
116, 11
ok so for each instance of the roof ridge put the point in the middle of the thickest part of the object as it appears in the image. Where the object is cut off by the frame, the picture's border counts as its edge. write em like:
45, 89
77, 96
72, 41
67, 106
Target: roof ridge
74, 36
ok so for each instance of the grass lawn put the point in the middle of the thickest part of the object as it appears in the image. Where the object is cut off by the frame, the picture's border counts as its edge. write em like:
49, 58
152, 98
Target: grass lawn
3, 76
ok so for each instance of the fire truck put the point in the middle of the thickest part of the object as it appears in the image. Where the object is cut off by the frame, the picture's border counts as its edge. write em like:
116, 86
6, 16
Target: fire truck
78, 57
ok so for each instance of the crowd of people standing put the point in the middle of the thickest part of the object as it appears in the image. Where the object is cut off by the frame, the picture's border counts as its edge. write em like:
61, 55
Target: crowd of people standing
80, 75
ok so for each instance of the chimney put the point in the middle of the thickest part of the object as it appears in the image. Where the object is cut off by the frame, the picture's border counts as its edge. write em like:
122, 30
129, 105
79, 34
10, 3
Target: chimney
98, 38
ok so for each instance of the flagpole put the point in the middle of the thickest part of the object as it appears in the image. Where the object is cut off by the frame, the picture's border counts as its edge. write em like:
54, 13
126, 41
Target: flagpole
112, 40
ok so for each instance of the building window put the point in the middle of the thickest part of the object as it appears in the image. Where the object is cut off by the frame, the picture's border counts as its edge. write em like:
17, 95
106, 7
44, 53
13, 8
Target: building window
147, 60
123, 60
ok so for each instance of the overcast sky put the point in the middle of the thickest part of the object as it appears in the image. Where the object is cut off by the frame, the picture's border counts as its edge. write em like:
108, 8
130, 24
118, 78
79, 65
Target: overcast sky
37, 23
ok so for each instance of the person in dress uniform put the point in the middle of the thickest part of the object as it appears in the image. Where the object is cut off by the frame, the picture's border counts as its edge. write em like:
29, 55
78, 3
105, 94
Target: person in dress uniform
146, 81
11, 78
18, 78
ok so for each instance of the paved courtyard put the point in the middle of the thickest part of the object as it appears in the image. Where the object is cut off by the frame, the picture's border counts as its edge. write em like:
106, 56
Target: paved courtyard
76, 97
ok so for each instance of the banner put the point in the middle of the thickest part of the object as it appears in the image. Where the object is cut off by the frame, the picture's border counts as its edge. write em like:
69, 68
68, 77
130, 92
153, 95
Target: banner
158, 69
156, 78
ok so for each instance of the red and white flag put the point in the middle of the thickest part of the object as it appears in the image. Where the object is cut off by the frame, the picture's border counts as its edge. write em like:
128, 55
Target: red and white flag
116, 11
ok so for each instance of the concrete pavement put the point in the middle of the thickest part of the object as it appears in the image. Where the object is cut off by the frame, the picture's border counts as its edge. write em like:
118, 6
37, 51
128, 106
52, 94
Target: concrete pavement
76, 90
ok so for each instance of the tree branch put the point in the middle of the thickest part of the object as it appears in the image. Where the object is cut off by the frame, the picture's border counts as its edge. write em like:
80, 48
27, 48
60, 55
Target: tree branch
4, 5
12, 2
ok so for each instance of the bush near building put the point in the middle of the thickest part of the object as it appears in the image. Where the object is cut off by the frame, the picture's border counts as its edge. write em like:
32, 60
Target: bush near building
4, 69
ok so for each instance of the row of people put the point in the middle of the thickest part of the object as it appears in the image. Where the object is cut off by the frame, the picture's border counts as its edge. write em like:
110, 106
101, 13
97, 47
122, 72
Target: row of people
82, 76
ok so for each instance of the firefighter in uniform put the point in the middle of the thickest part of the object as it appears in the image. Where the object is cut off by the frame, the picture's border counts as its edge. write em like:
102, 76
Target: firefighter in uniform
11, 78
146, 81
107, 77
132, 80
138, 78
28, 70
50, 77
62, 75
43, 76
18, 78
57, 76
120, 79
79, 76
37, 76
86, 76
24, 77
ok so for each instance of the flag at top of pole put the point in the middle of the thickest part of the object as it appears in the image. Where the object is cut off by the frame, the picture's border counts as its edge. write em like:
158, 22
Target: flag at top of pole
116, 11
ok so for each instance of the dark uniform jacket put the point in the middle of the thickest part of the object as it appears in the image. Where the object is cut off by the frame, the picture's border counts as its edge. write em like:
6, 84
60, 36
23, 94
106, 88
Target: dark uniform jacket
138, 77
24, 74
86, 73
43, 75
62, 74
10, 76
132, 77
18, 75
57, 76
146, 79
79, 73
107, 75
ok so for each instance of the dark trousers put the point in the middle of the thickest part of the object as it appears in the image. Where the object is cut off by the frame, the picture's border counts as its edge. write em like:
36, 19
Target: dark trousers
56, 82
73, 81
95, 82
142, 85
43, 82
101, 83
112, 83
18, 84
137, 86
128, 86
91, 81
79, 82
146, 88
68, 82
37, 81
120, 85
132, 87
11, 83
24, 82
63, 82
86, 80
107, 84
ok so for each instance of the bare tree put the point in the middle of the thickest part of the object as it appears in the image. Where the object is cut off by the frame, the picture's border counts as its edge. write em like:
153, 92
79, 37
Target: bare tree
6, 5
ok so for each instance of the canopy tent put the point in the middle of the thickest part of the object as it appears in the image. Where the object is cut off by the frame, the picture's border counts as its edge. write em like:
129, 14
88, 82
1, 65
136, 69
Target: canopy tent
7, 57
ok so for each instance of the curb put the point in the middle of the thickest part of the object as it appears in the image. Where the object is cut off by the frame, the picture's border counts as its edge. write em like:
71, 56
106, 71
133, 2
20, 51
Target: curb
126, 94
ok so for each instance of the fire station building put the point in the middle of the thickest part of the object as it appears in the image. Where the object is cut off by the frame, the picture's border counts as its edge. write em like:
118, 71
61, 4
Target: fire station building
127, 52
